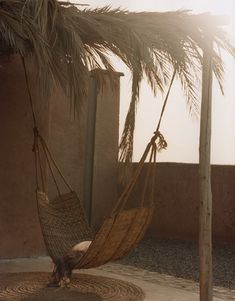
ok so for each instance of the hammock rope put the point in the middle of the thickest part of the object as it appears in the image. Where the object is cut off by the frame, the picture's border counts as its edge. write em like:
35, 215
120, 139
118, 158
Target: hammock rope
126, 193
63, 220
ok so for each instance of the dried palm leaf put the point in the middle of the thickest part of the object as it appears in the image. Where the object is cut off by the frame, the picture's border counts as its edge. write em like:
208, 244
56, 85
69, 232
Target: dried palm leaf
66, 41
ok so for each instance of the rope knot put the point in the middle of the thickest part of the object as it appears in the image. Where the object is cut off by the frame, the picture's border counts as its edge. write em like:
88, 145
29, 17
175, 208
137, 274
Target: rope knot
161, 144
155, 136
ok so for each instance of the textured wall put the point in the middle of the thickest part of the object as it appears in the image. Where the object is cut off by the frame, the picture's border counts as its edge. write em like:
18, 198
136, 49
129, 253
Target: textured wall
67, 143
19, 226
86, 148
177, 197
68, 139
104, 176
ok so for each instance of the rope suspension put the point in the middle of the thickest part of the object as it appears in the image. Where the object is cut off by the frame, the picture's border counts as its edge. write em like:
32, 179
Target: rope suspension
63, 220
152, 144
40, 143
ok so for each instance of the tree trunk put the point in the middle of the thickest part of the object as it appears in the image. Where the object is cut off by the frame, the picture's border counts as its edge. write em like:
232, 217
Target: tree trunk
205, 208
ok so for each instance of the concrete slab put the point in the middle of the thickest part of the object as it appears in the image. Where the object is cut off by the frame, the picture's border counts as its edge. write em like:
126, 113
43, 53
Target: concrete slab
156, 286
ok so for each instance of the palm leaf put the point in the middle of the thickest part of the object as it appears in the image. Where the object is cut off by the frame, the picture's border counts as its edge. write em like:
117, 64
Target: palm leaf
66, 41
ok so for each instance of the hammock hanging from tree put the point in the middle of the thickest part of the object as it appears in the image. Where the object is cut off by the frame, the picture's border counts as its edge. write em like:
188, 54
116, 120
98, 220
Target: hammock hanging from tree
64, 222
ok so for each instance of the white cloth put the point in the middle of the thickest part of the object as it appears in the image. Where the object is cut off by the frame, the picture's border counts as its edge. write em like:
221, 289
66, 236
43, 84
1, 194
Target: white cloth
81, 247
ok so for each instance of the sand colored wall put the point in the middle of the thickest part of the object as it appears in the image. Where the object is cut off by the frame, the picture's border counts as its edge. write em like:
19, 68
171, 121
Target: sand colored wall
68, 139
67, 135
86, 148
105, 159
177, 197
20, 234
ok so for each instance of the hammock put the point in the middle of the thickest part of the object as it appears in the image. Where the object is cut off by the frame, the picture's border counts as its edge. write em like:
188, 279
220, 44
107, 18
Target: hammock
64, 222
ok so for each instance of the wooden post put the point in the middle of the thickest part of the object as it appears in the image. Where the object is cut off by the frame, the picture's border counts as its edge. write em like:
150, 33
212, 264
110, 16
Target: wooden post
205, 208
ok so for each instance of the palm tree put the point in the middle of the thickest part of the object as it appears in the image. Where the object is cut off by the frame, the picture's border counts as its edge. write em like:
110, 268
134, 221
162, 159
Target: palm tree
65, 41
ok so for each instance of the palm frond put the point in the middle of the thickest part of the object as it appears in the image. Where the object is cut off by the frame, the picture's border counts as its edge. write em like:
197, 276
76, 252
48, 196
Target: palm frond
66, 41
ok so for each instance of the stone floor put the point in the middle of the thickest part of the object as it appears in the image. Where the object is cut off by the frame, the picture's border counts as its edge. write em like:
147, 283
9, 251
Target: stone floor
156, 286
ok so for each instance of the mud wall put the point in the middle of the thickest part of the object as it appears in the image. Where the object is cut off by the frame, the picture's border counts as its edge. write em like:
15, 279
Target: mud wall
177, 202
93, 177
20, 234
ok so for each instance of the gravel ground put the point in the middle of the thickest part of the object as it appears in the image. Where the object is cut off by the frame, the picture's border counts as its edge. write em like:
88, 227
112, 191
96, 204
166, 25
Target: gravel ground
180, 259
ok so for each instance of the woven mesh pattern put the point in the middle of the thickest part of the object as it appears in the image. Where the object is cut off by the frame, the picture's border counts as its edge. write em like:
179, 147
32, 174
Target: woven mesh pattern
117, 236
32, 287
63, 223
135, 232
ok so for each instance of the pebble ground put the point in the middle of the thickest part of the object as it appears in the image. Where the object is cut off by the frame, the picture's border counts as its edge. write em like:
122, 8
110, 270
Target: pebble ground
180, 259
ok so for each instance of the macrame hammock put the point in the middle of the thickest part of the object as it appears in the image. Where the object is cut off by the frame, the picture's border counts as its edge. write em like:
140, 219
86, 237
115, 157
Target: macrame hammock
63, 220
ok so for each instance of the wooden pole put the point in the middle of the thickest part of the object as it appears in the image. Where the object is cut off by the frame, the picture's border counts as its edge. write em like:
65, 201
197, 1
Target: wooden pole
205, 208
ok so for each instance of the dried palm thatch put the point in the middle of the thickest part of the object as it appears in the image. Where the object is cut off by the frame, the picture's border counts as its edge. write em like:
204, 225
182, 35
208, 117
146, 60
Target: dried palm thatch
66, 41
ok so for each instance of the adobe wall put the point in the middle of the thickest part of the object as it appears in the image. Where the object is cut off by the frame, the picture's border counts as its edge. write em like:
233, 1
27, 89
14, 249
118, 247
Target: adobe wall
20, 234
86, 148
67, 143
177, 197
68, 138
104, 176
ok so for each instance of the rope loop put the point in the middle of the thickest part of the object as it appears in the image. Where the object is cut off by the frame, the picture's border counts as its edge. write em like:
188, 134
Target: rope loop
155, 136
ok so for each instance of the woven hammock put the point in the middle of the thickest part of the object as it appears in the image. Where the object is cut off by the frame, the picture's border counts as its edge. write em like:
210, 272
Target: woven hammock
64, 222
